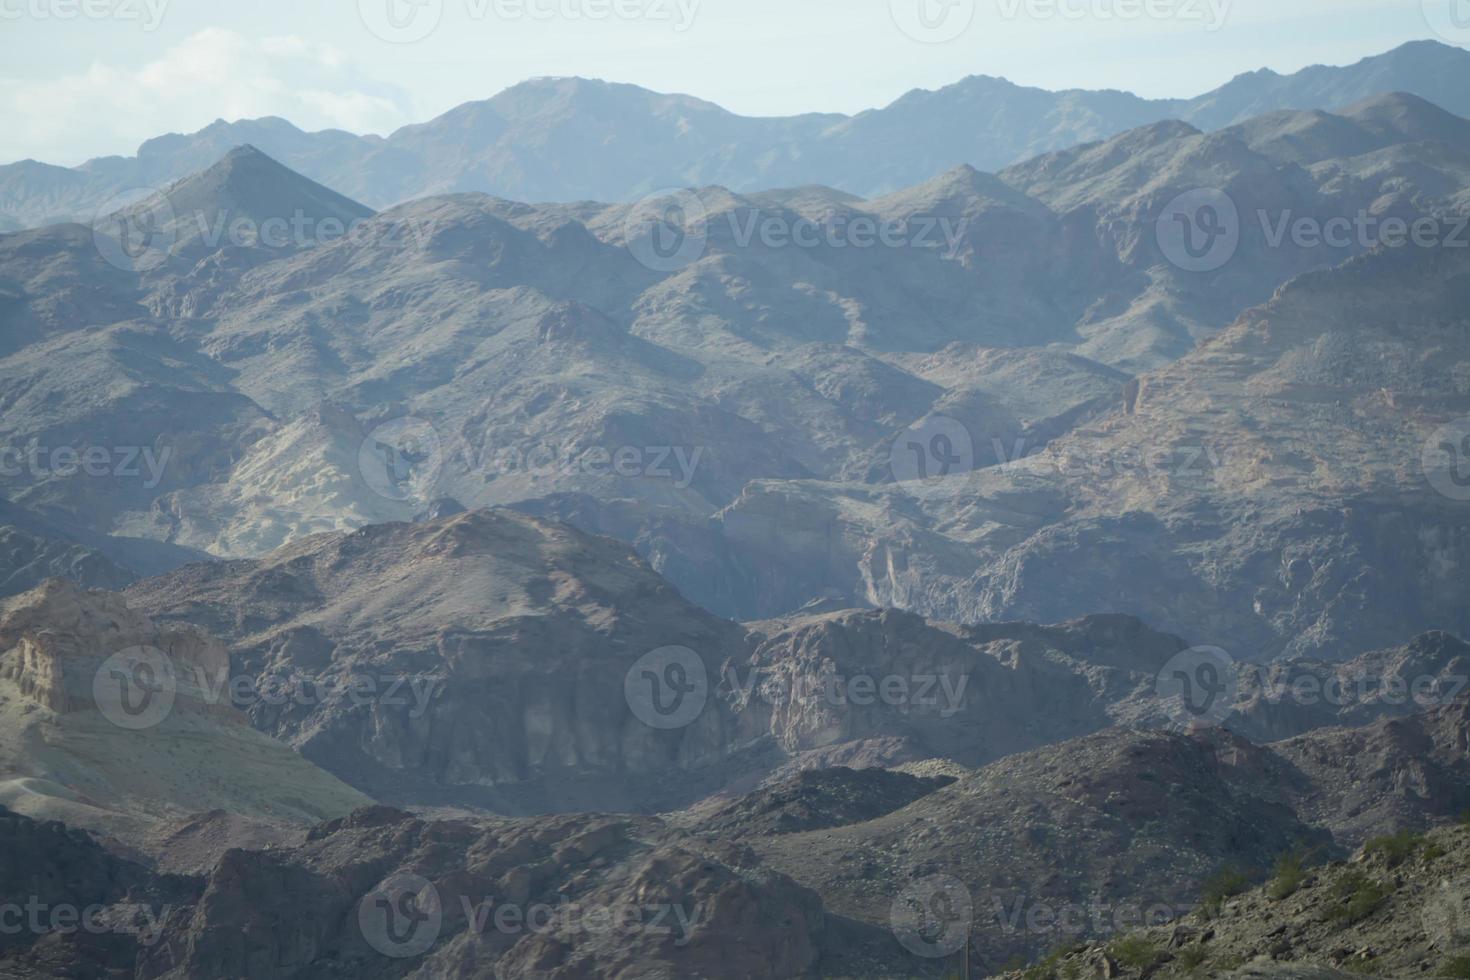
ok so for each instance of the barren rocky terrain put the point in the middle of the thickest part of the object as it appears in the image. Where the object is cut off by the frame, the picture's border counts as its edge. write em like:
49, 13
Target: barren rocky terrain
1030, 548
745, 417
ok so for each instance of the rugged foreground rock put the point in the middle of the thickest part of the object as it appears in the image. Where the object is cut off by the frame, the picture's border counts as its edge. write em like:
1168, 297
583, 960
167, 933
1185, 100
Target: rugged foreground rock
835, 873
1395, 909
1092, 836
381, 894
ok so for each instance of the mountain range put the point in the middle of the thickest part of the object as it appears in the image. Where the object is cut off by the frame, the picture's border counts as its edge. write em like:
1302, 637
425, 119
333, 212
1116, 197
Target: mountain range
1046, 770
1008, 533
740, 414
572, 139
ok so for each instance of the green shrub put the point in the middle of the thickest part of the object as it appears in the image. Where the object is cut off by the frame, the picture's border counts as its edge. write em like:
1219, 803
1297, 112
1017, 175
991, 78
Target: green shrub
1191, 958
1223, 884
1233, 961
1458, 967
1045, 970
1135, 952
1396, 848
1359, 895
1291, 873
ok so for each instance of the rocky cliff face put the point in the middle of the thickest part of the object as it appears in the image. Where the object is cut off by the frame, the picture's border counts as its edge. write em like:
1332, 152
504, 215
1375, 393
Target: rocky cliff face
826, 685
498, 647
1268, 493
117, 724
508, 651
58, 638
45, 867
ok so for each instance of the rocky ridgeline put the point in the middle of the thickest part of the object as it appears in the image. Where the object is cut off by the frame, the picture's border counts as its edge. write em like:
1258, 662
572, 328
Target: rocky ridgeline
807, 877
381, 894
518, 636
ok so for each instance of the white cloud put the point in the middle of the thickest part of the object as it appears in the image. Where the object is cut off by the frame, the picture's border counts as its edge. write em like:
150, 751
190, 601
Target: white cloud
213, 74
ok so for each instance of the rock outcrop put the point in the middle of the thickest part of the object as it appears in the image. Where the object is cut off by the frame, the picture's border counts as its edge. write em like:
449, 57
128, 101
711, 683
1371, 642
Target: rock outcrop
118, 724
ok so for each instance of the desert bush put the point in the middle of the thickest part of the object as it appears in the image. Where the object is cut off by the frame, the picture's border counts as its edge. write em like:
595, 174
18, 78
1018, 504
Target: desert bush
1135, 952
1360, 896
1458, 967
1396, 848
1223, 884
1291, 873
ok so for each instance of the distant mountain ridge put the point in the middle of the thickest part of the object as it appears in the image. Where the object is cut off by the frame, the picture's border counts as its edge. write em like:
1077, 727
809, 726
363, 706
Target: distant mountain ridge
570, 139
763, 387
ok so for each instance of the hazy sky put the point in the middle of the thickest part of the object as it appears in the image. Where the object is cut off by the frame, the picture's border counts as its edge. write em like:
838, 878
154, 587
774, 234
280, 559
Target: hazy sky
82, 78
